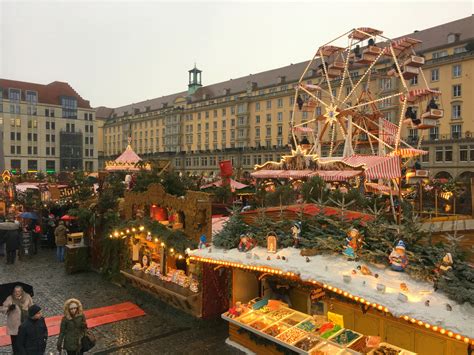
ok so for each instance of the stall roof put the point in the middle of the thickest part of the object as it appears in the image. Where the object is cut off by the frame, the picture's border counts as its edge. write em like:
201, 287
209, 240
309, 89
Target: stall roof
329, 270
326, 175
233, 184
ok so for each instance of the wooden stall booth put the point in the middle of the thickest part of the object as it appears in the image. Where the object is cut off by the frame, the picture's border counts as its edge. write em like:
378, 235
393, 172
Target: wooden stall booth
157, 266
281, 306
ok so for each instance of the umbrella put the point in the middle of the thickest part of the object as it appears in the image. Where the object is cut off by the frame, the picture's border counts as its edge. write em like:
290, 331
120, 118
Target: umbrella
7, 289
29, 215
8, 226
67, 217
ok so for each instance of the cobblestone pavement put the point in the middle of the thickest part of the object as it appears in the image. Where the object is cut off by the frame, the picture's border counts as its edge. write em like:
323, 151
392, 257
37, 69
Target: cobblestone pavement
163, 330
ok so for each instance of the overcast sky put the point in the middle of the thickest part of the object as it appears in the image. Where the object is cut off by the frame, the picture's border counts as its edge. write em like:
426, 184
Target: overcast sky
118, 53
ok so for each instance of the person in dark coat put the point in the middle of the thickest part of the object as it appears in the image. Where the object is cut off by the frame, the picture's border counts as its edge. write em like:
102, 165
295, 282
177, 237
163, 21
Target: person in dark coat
409, 113
431, 105
300, 102
33, 333
12, 244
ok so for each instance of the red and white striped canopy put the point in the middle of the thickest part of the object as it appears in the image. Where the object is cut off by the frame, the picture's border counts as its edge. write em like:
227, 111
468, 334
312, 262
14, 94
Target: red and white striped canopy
379, 188
377, 167
362, 33
408, 152
400, 45
303, 129
329, 50
329, 175
310, 87
389, 131
418, 95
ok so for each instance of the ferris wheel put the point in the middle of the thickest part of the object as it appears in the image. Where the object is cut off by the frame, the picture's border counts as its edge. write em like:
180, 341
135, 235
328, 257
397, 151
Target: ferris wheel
343, 114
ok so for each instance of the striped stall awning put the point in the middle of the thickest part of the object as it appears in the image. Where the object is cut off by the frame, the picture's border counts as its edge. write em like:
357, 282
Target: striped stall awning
329, 175
400, 45
418, 95
303, 129
387, 167
389, 131
379, 189
408, 152
362, 33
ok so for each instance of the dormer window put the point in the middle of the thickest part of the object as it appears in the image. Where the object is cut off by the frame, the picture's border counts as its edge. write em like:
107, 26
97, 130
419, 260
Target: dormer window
453, 37
281, 79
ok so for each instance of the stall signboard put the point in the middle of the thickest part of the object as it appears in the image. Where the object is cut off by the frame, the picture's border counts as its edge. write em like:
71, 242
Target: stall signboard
58, 193
336, 318
26, 244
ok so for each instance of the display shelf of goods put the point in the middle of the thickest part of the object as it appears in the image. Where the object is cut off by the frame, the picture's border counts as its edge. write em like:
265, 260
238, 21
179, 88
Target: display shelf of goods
389, 349
345, 337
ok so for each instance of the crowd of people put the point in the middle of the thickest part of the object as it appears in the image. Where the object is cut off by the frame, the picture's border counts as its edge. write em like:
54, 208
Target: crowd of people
50, 233
27, 328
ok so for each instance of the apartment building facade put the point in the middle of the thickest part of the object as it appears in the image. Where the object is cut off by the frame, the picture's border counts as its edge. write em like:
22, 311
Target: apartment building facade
46, 128
246, 120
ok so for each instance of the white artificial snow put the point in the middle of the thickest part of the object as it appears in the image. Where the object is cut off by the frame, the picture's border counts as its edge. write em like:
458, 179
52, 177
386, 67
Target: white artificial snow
330, 270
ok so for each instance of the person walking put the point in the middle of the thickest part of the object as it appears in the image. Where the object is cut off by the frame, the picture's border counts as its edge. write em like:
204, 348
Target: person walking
33, 333
16, 308
73, 328
12, 244
60, 235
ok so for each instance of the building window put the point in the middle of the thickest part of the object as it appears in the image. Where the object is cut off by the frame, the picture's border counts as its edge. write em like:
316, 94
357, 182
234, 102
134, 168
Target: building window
458, 50
457, 90
257, 106
32, 165
463, 153
439, 154
413, 134
232, 110
414, 80
12, 149
456, 111
280, 130
257, 132
439, 54
269, 131
426, 158
48, 150
448, 153
269, 104
50, 166
280, 103
456, 131
434, 133
280, 116
435, 74
457, 71
269, 117
69, 106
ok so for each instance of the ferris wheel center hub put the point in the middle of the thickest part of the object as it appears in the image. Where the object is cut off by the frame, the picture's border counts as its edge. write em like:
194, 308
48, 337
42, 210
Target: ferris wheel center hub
331, 114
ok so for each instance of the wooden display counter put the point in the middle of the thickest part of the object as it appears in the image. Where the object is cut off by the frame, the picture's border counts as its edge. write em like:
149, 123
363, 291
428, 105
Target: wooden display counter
173, 294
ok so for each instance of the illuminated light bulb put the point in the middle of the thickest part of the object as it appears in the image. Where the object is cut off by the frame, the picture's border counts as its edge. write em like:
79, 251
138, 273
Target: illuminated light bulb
442, 331
413, 320
324, 285
466, 340
380, 308
361, 300
171, 250
134, 230
406, 317
345, 294
340, 292
356, 298
435, 328
128, 231
420, 322
367, 303
141, 228
351, 297
450, 334
458, 337
385, 309
427, 326
116, 234
162, 244
156, 240
111, 236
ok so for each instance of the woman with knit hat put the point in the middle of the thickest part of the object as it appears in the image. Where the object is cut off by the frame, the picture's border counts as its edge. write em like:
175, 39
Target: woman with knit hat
73, 328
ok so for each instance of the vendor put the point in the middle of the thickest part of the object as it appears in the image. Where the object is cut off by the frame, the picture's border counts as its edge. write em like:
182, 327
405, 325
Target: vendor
279, 291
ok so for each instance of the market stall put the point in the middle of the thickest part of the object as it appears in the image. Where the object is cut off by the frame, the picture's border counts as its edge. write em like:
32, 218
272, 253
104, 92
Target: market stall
336, 306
